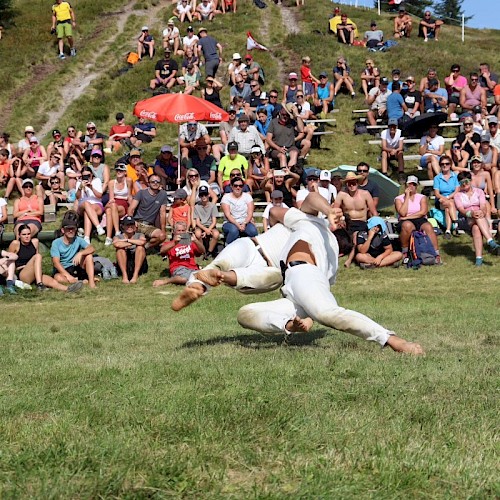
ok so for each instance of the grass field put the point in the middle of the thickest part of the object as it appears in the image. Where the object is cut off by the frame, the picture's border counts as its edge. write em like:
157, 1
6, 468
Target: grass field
111, 394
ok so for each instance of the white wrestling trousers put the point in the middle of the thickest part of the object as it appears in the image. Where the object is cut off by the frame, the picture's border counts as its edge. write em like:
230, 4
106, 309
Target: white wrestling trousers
307, 293
253, 275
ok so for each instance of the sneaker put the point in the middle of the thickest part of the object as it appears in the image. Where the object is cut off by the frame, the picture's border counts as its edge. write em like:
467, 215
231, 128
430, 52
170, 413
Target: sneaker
41, 287
73, 52
447, 235
353, 95
11, 290
86, 239
108, 242
81, 232
100, 230
61, 56
494, 247
22, 285
479, 262
75, 287
426, 39
113, 273
106, 275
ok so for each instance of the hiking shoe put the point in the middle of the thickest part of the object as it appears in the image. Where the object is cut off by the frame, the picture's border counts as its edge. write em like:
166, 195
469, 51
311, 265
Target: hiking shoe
75, 287
479, 262
447, 235
106, 274
108, 242
113, 273
100, 230
73, 52
11, 290
41, 287
494, 247
61, 56
22, 285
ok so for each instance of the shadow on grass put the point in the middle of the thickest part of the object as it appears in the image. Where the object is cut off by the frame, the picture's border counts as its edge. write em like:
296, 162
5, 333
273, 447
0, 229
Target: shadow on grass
260, 341
457, 249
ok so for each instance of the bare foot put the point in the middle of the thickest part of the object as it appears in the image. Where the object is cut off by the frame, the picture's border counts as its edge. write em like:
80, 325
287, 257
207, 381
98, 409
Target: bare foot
189, 295
133, 281
157, 283
212, 277
126, 281
299, 325
401, 345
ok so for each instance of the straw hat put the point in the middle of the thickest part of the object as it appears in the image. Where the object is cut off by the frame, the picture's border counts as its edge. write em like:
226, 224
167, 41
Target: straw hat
351, 176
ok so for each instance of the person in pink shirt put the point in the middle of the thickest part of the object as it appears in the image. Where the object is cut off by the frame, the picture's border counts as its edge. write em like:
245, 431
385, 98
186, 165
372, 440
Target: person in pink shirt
471, 203
412, 211
454, 84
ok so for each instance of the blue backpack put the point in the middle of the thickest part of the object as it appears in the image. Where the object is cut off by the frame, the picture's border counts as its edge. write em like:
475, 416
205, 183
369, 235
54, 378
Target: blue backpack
420, 250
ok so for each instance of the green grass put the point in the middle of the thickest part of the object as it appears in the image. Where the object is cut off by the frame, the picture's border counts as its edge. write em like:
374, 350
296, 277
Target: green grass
110, 394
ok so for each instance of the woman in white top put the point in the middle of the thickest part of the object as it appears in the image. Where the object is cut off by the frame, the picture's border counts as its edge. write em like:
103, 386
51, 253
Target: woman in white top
238, 210
120, 197
88, 196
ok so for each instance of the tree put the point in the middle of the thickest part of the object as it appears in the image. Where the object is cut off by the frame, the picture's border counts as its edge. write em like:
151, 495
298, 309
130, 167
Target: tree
451, 11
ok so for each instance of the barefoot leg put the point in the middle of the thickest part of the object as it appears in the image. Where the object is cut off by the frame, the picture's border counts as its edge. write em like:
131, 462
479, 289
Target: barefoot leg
189, 295
400, 345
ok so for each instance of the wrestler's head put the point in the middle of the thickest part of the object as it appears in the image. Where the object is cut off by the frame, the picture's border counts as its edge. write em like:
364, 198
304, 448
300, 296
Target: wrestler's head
344, 241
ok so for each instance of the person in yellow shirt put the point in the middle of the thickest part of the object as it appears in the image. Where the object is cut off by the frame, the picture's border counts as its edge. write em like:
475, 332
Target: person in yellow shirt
63, 22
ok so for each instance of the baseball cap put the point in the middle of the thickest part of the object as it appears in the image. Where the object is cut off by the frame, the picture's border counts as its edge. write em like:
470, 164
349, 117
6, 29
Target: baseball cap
396, 71
127, 220
180, 194
135, 152
476, 158
402, 9
96, 152
33, 139
203, 191
190, 28
29, 128
323, 75
91, 124
276, 194
255, 149
412, 178
165, 149
325, 175
393, 121
27, 181
232, 145
263, 95
292, 75
171, 21
56, 132
492, 119
313, 172
384, 81
236, 55
486, 137
243, 118
144, 28
249, 56
231, 108
433, 81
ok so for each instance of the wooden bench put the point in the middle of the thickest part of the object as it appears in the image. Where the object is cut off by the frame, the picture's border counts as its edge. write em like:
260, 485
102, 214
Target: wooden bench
378, 142
442, 125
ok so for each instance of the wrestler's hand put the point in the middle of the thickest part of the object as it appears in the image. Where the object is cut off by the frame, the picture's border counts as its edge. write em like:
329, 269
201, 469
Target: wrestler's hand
335, 218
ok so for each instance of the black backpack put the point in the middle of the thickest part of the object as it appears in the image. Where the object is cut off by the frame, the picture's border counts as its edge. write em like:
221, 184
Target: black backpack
260, 4
360, 128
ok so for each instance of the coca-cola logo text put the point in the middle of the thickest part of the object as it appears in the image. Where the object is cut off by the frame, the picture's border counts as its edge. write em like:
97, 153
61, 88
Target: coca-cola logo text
184, 117
148, 114
215, 116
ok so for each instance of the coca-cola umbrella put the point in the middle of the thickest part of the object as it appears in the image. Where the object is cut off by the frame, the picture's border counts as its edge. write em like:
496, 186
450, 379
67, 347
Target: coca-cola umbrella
179, 108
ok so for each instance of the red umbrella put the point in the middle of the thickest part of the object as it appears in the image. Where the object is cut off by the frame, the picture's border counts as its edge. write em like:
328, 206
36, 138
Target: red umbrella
179, 108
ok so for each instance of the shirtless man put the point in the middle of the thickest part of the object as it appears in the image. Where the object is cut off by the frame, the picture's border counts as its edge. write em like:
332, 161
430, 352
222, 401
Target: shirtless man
355, 203
402, 24
309, 262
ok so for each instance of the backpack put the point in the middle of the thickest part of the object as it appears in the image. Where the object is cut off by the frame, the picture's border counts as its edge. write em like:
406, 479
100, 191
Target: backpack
360, 128
260, 4
420, 250
132, 58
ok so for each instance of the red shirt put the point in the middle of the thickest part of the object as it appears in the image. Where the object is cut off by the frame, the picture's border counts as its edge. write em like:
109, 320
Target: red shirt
305, 73
121, 129
183, 255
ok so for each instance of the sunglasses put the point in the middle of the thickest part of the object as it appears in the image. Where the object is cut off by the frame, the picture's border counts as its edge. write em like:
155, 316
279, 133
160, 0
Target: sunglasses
201, 148
235, 175
71, 131
312, 178
300, 96
55, 182
465, 181
237, 185
253, 85
474, 79
28, 186
468, 124
362, 171
90, 128
193, 175
273, 96
456, 147
447, 164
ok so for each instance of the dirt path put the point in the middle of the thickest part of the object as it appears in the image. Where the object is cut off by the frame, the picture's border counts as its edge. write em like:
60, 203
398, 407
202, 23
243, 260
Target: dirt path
77, 86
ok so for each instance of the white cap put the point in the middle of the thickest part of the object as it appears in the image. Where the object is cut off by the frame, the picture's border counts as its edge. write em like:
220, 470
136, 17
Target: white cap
325, 175
412, 178
263, 95
236, 55
144, 28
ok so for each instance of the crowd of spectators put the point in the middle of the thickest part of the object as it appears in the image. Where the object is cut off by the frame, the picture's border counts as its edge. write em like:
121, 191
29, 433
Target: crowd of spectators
262, 148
